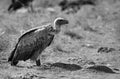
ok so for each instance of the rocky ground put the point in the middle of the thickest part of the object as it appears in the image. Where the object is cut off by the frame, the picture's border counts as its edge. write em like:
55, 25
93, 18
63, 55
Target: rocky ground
92, 38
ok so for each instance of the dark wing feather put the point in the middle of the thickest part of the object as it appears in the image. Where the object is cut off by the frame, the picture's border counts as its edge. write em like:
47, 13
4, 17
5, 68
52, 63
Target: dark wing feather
12, 54
51, 37
29, 32
31, 42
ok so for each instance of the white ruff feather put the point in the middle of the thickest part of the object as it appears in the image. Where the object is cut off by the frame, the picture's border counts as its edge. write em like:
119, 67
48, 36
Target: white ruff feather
40, 29
54, 26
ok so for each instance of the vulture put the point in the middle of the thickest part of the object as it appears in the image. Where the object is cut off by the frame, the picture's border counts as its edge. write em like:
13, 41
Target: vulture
75, 4
17, 4
31, 44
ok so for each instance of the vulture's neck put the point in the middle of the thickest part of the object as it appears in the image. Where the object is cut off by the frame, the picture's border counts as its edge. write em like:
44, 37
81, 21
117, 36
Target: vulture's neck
56, 27
54, 30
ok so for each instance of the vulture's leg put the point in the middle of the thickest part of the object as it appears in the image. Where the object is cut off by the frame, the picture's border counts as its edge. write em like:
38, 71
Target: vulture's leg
38, 63
10, 7
30, 7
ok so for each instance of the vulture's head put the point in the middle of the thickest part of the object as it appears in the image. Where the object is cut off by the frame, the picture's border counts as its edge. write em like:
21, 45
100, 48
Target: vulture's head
58, 23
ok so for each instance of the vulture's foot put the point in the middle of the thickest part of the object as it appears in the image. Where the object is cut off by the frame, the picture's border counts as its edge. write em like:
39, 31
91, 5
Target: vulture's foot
38, 62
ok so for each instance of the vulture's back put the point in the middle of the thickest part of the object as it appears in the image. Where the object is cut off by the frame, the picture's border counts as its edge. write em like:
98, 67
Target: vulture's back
30, 43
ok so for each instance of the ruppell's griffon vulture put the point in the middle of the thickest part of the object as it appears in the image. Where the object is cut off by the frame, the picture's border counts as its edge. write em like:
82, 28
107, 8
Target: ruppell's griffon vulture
31, 44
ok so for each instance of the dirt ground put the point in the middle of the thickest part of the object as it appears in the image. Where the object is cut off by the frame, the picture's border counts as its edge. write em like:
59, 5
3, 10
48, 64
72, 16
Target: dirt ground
74, 49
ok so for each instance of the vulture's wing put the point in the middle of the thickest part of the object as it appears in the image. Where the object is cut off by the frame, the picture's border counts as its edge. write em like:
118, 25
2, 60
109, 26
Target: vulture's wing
16, 46
29, 43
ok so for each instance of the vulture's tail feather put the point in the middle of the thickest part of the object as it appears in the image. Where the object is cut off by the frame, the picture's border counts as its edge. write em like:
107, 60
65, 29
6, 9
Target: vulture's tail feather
11, 56
12, 53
